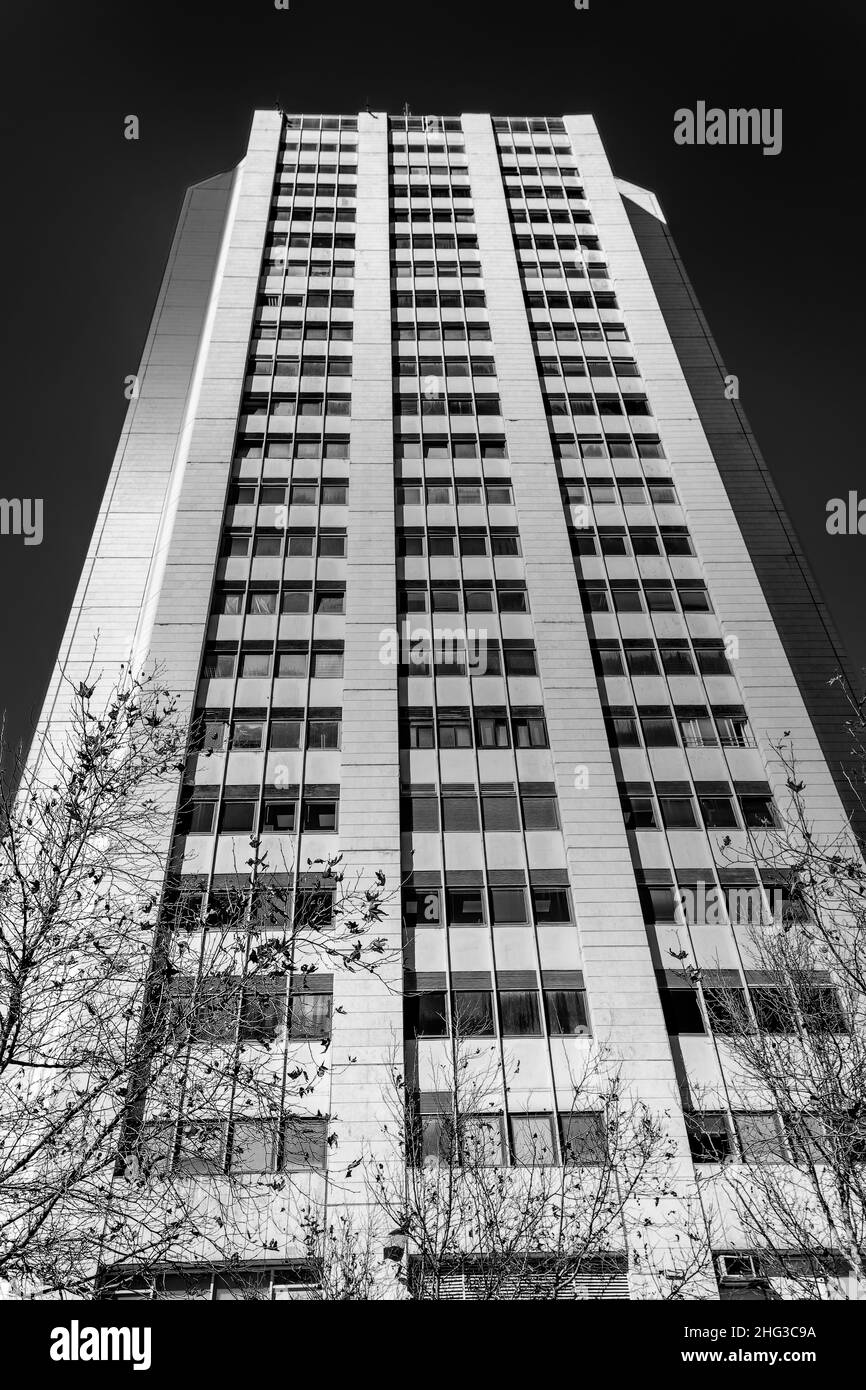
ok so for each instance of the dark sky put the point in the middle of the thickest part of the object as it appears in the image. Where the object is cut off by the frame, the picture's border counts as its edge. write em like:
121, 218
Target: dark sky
773, 245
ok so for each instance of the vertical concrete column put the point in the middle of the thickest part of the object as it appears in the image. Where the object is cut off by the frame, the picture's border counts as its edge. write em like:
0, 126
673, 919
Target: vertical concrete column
369, 1032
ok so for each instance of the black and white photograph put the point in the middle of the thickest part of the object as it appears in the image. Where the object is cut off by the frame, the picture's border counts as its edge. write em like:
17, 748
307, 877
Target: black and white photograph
433, 783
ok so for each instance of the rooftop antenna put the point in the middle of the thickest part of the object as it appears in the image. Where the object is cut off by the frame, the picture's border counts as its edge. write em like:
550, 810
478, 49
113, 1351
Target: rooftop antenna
406, 111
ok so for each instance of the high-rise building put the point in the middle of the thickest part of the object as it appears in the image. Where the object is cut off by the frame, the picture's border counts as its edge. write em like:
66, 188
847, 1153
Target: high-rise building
437, 508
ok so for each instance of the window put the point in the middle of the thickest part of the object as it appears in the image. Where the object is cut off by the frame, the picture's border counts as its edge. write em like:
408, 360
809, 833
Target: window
455, 730
678, 812
331, 601
565, 1011
310, 1015
491, 730
693, 596
247, 733
295, 601
419, 813
323, 732
540, 812
531, 1140
758, 810
697, 729
676, 659
821, 1009
638, 812
218, 665
320, 815
199, 820
709, 1137
255, 665
499, 810
237, 817
519, 1013
465, 906
551, 905
292, 664
278, 817
773, 1008
658, 731
473, 1013
681, 1011
760, 1137
641, 659
529, 728
424, 1015
717, 812
481, 1140
459, 811
507, 906
583, 1137
727, 1010
303, 1143
520, 661
327, 663
733, 728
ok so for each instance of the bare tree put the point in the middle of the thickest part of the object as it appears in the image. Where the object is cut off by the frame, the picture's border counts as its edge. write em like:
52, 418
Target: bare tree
793, 1050
531, 1217
139, 1022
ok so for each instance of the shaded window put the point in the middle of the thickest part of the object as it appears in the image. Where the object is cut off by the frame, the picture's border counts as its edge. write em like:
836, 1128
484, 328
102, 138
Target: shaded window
465, 906
473, 1013
424, 1015
709, 1137
583, 1137
519, 1013
565, 1010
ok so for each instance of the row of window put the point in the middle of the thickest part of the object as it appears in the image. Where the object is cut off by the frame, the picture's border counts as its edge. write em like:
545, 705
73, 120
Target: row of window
440, 332
475, 655
289, 165
543, 241
294, 1144
241, 815
252, 730
438, 215
660, 727
579, 366
652, 596
579, 332
576, 299
486, 403
292, 364
475, 906
637, 540
255, 1009
467, 492
509, 597
301, 267
485, 727
308, 332
481, 1013
270, 544
765, 1008
625, 492
675, 810
519, 217
273, 493
443, 299
426, 241
531, 188
304, 405
439, 367
428, 270
313, 299
440, 446
494, 808
763, 1137
325, 241
673, 658
725, 725
319, 212
319, 123
440, 540
306, 446
322, 187
291, 661
599, 404
258, 602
